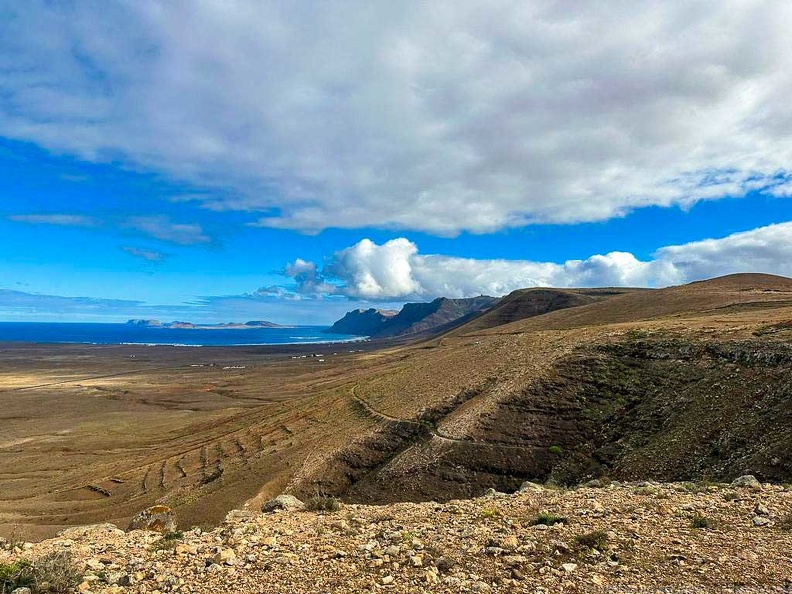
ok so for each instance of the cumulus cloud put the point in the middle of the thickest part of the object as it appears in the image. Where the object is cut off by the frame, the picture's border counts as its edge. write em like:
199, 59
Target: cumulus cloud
395, 269
439, 116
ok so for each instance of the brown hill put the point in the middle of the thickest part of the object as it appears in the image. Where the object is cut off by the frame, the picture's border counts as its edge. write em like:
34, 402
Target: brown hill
528, 303
679, 383
738, 292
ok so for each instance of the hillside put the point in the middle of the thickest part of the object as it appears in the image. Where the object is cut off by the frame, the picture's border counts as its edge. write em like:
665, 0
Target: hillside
685, 383
527, 303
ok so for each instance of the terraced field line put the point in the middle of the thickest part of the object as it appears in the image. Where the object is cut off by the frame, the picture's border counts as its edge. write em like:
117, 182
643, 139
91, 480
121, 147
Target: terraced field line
89, 378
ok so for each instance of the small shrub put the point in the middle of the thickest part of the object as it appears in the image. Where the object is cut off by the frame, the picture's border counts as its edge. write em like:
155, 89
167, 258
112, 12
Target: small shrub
785, 523
593, 540
210, 478
323, 503
173, 536
169, 540
18, 574
730, 496
56, 572
701, 487
548, 519
555, 450
407, 536
647, 490
488, 513
700, 521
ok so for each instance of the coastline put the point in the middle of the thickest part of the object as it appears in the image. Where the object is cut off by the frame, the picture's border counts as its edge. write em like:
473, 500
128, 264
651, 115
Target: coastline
109, 334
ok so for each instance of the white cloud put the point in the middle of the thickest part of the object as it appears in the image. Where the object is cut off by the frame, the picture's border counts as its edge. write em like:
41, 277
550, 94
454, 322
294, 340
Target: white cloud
309, 281
144, 254
395, 269
157, 226
376, 272
440, 116
161, 227
63, 220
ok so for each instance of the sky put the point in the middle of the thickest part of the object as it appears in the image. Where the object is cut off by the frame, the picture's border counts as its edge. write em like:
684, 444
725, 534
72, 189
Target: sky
230, 160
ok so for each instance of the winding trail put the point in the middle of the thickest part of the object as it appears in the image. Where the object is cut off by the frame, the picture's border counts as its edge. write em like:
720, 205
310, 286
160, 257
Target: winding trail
433, 431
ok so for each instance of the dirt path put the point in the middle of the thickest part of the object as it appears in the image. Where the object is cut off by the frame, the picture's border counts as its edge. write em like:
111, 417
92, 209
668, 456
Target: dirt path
429, 427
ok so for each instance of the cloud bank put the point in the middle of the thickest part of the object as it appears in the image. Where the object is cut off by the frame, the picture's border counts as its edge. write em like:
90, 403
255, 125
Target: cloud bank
438, 116
396, 271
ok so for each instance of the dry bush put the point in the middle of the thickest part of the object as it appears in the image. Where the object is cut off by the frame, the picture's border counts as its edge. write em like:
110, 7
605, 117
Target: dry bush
55, 572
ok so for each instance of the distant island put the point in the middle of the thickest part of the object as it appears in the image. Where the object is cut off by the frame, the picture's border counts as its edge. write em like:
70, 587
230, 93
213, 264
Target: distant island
253, 325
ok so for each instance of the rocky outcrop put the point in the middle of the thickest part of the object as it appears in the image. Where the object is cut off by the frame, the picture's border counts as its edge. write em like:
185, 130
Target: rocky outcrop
284, 502
158, 518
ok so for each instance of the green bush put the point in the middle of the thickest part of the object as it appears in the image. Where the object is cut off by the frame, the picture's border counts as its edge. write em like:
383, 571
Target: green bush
323, 503
488, 512
700, 521
548, 519
169, 540
555, 450
18, 574
593, 540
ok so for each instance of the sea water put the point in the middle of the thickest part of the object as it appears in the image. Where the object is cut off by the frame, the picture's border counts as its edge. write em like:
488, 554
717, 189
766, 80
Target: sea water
55, 332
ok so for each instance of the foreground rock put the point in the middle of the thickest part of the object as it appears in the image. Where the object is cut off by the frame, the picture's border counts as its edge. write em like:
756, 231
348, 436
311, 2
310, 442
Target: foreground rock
158, 518
625, 538
285, 502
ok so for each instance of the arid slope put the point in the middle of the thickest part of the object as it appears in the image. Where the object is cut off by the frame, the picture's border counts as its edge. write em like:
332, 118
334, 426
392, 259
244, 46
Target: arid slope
687, 382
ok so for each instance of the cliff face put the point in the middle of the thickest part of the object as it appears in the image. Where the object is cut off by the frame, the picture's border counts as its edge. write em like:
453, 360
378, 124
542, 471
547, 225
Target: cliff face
413, 318
361, 322
424, 317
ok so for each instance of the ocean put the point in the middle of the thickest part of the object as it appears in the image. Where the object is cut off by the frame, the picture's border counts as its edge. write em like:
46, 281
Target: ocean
42, 332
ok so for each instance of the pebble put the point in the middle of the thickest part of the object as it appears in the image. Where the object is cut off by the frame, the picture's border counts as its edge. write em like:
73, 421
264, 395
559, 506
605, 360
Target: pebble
569, 567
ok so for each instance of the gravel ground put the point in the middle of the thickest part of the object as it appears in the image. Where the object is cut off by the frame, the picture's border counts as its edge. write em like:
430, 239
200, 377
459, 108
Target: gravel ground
640, 537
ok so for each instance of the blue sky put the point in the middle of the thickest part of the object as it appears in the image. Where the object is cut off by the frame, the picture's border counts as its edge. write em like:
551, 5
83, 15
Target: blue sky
218, 161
